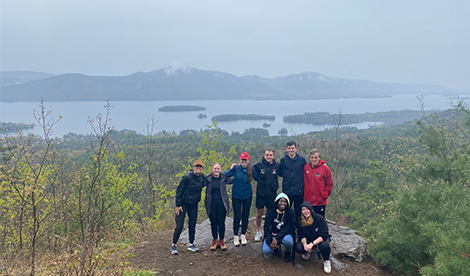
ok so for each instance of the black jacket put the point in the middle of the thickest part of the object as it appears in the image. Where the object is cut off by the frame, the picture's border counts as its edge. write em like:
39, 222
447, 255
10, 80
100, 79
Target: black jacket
319, 228
223, 192
270, 225
189, 189
267, 177
293, 174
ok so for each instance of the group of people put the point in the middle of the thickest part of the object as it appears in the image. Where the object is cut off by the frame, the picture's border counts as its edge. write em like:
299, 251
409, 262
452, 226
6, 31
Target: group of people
305, 187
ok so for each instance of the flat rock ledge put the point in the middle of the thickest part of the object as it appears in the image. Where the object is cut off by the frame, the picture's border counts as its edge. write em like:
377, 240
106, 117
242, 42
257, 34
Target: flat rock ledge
345, 242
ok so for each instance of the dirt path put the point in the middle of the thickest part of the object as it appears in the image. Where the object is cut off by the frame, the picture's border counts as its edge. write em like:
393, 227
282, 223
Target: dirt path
152, 252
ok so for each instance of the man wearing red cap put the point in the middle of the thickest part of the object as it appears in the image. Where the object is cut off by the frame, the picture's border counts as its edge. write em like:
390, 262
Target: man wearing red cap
242, 193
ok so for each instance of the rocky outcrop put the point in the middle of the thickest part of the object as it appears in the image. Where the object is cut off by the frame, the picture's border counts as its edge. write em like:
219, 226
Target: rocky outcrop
345, 242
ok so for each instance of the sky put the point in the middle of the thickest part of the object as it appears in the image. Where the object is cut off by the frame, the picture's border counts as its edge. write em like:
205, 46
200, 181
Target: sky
399, 41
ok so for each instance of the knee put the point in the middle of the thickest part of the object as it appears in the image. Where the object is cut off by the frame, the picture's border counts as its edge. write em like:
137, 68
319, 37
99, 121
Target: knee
299, 248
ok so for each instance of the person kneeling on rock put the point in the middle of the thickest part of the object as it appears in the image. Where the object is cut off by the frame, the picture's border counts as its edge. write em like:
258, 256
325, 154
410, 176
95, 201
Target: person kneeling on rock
313, 233
279, 227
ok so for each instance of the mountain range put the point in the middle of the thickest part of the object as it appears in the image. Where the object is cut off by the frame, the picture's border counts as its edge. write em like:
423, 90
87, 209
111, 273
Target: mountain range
188, 83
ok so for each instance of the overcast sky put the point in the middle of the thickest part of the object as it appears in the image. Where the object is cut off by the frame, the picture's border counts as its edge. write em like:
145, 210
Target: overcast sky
402, 41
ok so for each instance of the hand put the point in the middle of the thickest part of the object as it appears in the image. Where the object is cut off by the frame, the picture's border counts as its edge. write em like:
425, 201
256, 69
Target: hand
178, 210
273, 244
307, 248
233, 165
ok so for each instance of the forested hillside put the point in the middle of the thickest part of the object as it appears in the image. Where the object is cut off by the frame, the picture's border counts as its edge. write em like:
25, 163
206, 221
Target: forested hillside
73, 204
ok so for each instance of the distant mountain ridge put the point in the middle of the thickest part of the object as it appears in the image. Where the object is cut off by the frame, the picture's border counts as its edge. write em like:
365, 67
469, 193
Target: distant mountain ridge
186, 83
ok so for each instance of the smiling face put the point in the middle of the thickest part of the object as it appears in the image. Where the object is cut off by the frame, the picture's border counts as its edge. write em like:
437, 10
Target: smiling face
244, 163
291, 151
216, 170
306, 212
314, 159
269, 156
197, 169
282, 204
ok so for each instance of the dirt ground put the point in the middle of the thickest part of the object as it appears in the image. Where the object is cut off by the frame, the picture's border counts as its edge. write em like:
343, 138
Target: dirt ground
152, 252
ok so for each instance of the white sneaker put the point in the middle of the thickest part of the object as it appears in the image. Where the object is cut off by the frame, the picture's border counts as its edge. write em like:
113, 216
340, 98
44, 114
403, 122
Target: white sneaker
306, 256
243, 238
236, 240
258, 236
327, 266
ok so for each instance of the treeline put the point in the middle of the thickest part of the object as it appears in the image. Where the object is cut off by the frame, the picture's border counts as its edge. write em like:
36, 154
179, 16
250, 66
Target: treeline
176, 108
14, 127
405, 187
325, 118
237, 117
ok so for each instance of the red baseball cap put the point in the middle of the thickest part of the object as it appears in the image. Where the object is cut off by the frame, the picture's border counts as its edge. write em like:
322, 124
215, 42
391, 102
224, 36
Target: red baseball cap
244, 155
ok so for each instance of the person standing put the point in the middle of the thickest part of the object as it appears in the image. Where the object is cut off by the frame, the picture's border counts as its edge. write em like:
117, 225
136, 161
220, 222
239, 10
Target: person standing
242, 194
188, 195
313, 231
292, 165
217, 205
266, 190
318, 182
279, 227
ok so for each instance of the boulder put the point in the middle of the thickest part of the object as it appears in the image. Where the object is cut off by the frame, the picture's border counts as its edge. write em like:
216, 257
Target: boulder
345, 242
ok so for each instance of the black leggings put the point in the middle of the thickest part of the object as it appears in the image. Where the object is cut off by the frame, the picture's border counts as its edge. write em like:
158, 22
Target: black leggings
217, 218
241, 210
324, 248
191, 210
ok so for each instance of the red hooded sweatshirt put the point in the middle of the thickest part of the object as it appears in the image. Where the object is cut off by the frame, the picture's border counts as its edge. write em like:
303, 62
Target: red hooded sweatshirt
318, 183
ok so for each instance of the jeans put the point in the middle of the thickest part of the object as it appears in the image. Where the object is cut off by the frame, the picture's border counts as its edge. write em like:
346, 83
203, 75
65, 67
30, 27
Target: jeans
287, 241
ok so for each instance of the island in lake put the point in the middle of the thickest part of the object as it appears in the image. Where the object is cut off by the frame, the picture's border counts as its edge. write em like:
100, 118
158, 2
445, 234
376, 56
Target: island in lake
178, 108
236, 117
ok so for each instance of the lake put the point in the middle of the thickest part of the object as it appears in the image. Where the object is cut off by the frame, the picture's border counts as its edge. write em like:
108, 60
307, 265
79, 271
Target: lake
133, 115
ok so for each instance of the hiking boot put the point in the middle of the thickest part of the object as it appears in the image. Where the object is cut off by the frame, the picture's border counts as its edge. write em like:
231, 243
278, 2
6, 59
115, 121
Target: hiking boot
214, 245
258, 236
174, 251
243, 238
327, 266
287, 256
236, 240
192, 247
306, 256
222, 245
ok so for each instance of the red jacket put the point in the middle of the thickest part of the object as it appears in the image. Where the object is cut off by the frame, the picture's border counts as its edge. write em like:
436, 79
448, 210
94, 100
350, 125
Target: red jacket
318, 183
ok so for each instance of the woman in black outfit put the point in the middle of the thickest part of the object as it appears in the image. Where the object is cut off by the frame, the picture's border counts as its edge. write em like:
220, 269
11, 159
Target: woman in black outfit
217, 205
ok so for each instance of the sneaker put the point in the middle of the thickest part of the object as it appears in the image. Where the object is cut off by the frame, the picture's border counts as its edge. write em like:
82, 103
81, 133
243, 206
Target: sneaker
306, 256
236, 240
258, 236
222, 245
214, 245
243, 238
192, 247
287, 256
174, 251
327, 266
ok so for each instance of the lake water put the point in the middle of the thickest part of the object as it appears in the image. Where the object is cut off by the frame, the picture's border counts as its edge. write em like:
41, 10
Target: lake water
133, 115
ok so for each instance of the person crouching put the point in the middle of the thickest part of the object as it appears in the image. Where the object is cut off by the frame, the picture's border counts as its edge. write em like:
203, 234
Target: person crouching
313, 231
279, 227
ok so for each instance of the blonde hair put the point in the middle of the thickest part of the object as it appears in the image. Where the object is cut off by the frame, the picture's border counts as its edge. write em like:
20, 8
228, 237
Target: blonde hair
306, 221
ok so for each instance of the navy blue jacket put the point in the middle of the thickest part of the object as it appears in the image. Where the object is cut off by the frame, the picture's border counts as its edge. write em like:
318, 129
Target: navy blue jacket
241, 188
292, 172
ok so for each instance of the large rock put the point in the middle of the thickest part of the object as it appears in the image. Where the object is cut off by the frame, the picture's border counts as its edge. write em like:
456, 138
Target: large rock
345, 242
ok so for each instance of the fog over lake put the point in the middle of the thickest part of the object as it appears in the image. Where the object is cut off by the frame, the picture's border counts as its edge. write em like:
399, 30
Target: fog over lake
133, 115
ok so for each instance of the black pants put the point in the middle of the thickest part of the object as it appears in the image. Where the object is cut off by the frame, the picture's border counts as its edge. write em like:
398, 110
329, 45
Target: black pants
191, 210
324, 247
320, 209
241, 210
217, 218
296, 200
